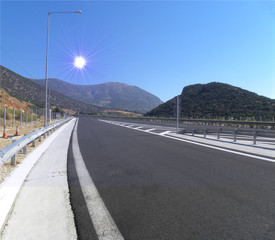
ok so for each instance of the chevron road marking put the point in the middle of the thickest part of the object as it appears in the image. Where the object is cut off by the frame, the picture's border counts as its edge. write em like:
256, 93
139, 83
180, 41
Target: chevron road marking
149, 130
163, 134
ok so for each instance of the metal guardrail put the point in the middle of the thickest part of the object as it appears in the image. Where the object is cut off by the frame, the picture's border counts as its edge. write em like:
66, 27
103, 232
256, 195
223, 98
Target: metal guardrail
214, 127
10, 151
253, 133
199, 121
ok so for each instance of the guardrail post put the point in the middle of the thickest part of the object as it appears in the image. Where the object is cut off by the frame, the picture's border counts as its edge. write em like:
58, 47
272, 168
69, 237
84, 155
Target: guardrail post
25, 150
13, 118
254, 136
205, 130
31, 117
20, 117
193, 132
5, 116
33, 143
39, 139
13, 159
218, 133
50, 115
45, 135
235, 135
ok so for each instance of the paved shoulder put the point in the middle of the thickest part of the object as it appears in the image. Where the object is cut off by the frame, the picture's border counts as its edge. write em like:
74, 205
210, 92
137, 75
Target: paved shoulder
42, 209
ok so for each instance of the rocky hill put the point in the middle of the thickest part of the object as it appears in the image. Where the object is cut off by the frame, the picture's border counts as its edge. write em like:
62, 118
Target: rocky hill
218, 100
26, 90
10, 102
112, 95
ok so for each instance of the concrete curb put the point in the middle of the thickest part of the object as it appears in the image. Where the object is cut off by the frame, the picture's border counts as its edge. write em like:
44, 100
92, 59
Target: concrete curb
10, 188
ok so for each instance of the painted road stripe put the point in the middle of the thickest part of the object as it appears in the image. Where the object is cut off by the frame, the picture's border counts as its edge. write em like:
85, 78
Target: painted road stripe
149, 130
104, 224
210, 146
163, 133
222, 149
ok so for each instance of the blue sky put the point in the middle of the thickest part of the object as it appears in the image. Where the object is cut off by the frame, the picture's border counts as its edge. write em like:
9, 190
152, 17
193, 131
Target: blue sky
160, 46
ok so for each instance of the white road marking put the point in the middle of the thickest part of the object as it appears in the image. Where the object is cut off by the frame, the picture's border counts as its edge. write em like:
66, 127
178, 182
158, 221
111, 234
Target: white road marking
210, 146
164, 133
222, 149
149, 130
104, 224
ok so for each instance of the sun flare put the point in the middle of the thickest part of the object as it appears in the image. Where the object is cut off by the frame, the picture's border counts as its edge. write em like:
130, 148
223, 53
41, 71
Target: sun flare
79, 62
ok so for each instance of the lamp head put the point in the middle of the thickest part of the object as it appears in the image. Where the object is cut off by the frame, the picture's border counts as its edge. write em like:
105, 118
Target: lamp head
78, 11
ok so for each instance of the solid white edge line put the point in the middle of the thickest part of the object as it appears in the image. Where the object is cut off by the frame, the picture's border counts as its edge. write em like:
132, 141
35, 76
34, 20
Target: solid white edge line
104, 224
213, 147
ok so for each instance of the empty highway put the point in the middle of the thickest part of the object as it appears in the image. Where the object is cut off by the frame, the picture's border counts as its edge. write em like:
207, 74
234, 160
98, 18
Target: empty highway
155, 188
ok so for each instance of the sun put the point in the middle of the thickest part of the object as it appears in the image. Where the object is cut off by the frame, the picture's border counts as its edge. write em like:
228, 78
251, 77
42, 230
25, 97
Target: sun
79, 62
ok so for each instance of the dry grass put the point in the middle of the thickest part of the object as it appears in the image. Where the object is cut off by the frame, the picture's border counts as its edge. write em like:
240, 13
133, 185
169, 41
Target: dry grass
7, 168
24, 129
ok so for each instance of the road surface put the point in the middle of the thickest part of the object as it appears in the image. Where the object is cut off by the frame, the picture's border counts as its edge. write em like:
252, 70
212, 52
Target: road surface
158, 188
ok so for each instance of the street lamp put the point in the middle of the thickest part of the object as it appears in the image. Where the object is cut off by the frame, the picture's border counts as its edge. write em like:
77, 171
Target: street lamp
46, 75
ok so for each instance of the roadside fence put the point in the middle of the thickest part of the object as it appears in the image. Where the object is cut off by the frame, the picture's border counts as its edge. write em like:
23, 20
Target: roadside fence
252, 135
10, 151
209, 122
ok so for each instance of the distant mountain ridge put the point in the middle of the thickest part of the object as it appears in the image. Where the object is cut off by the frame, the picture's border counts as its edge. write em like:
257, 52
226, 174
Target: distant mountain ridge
26, 90
217, 100
114, 95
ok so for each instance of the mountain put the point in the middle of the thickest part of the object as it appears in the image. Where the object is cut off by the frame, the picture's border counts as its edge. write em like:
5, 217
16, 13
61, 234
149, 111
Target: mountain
217, 100
26, 90
113, 95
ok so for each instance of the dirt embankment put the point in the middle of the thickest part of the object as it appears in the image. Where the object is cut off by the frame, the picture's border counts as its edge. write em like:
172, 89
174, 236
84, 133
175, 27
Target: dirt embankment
11, 102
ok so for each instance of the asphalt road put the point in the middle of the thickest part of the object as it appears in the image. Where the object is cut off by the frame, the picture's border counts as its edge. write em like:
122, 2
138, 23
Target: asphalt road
158, 188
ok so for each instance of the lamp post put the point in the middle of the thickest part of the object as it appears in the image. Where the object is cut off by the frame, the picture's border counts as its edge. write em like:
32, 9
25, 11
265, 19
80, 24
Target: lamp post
46, 75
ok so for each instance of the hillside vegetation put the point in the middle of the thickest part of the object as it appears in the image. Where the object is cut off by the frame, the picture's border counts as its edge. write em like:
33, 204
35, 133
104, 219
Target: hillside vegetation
214, 100
26, 90
112, 95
